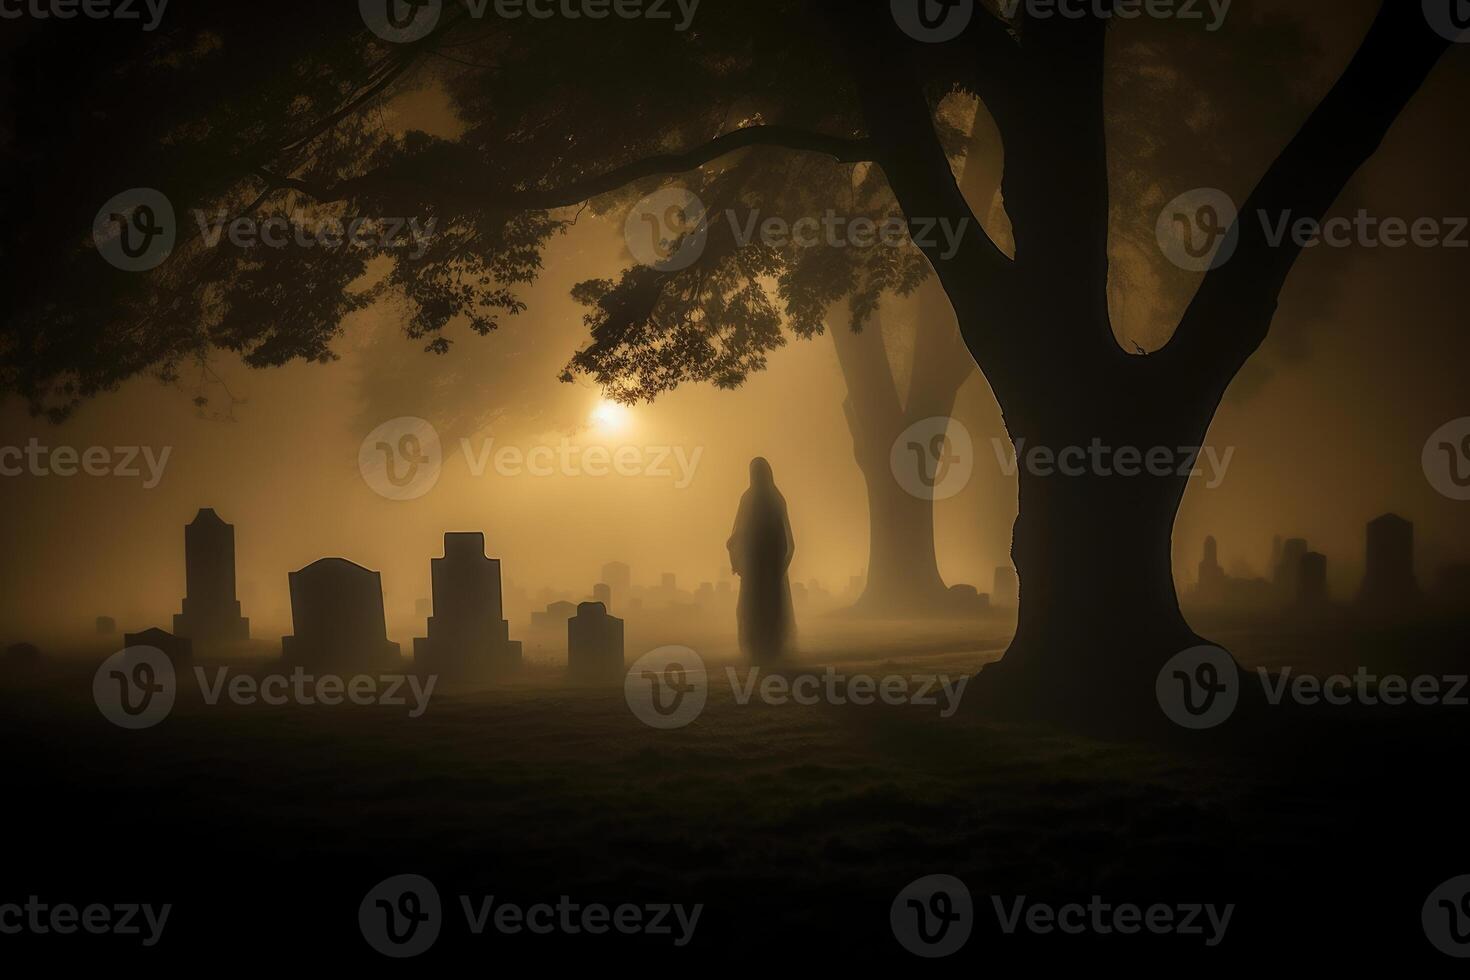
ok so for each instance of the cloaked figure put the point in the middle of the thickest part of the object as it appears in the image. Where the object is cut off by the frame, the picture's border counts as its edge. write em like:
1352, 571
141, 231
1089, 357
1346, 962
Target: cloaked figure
760, 549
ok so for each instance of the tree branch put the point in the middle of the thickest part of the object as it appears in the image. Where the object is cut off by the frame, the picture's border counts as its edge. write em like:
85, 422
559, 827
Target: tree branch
1231, 314
1056, 176
415, 182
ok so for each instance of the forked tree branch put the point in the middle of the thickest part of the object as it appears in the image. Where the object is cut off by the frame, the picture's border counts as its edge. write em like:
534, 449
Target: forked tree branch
1231, 313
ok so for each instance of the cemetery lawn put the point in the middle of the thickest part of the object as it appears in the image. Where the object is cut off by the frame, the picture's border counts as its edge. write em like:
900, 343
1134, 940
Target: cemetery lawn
794, 826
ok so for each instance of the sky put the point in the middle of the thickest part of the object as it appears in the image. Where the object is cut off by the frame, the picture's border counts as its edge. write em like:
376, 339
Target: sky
1325, 432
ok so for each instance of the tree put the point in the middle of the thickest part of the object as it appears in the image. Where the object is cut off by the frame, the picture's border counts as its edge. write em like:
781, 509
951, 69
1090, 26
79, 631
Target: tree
759, 117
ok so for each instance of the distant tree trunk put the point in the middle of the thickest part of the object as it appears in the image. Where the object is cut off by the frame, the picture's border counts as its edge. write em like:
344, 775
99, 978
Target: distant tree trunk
903, 571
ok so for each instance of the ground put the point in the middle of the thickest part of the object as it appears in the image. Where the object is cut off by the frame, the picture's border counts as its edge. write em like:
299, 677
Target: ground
794, 826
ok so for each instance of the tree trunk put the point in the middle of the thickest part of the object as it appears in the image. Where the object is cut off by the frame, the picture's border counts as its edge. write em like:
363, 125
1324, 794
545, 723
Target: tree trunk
1099, 613
903, 571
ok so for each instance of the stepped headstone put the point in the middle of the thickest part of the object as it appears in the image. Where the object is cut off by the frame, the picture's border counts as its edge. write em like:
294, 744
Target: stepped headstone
595, 645
468, 637
106, 626
337, 615
211, 612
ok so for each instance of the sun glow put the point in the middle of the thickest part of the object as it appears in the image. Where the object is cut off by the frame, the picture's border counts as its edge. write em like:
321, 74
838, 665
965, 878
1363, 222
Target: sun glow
609, 416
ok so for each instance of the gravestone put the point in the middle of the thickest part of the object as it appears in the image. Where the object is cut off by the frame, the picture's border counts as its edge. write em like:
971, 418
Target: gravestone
1312, 580
211, 612
106, 626
595, 646
966, 600
602, 592
468, 639
22, 657
176, 648
1006, 591
337, 615
555, 616
618, 576
1288, 572
1389, 580
1211, 575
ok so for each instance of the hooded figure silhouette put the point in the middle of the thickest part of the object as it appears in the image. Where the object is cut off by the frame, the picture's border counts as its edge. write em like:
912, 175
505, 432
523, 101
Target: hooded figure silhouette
760, 549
